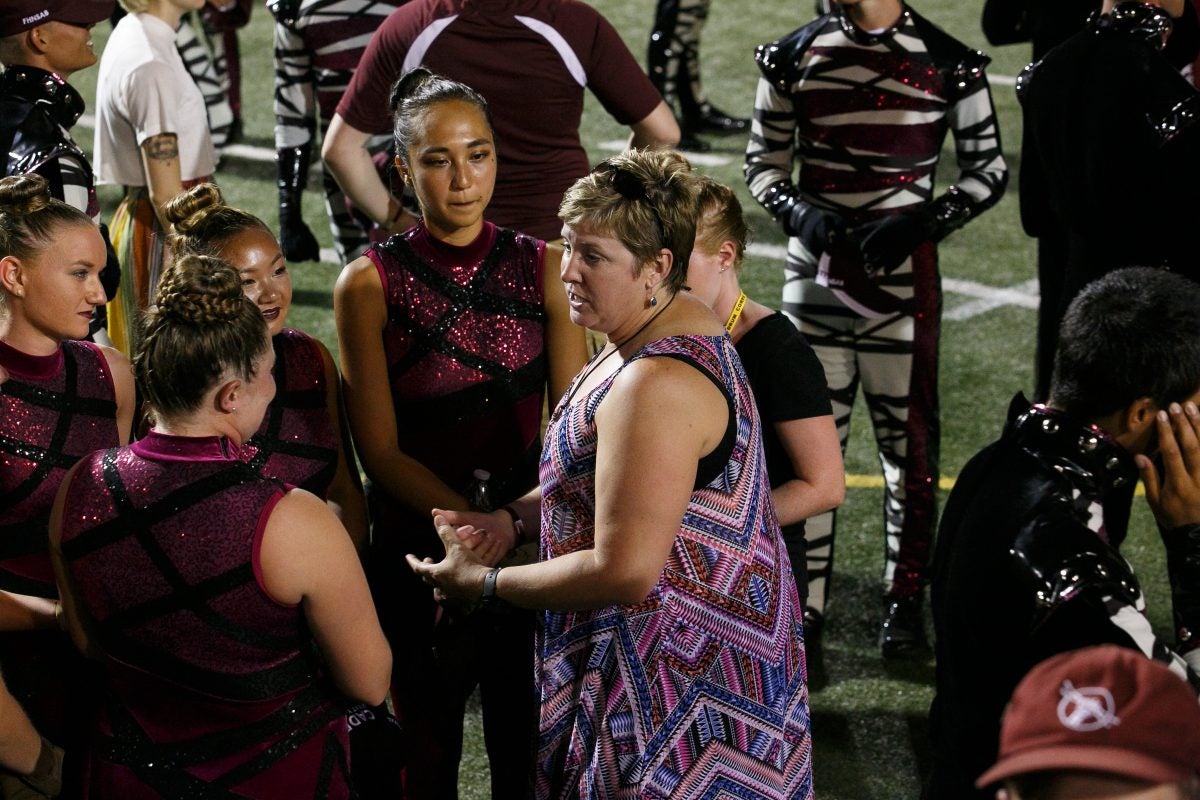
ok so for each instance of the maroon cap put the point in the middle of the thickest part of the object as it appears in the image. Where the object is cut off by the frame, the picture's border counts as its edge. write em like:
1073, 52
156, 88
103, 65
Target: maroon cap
21, 15
1102, 709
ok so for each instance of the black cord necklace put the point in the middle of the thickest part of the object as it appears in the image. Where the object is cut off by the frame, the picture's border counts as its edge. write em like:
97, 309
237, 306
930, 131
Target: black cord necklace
583, 376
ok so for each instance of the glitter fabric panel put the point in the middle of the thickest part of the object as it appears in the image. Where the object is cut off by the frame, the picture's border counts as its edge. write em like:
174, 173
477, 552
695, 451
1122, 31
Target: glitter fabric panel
465, 346
885, 114
296, 442
212, 680
53, 411
161, 553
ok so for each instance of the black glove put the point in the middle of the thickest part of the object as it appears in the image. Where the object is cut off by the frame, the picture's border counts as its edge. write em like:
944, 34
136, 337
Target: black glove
379, 751
110, 276
295, 238
885, 243
817, 228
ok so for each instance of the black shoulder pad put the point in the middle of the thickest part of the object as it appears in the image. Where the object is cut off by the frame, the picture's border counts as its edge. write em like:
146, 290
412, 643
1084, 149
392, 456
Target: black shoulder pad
286, 12
1025, 78
961, 66
1062, 559
777, 60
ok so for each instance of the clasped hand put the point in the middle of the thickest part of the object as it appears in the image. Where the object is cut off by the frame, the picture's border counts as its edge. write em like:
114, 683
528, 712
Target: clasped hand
1174, 495
474, 542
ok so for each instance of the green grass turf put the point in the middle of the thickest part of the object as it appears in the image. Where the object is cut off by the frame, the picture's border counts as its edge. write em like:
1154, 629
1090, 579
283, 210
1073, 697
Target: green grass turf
869, 724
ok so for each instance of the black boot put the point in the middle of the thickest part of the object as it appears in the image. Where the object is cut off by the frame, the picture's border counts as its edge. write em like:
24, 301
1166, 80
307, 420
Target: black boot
903, 631
707, 118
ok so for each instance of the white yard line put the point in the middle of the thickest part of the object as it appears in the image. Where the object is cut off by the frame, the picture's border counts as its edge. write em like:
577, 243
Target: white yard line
982, 298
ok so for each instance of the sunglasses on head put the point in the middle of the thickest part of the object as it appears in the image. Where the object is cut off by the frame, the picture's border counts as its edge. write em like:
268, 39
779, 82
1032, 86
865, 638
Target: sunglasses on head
630, 186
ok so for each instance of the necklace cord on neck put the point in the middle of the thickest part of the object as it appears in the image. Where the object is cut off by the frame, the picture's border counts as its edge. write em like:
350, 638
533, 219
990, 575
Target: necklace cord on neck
583, 376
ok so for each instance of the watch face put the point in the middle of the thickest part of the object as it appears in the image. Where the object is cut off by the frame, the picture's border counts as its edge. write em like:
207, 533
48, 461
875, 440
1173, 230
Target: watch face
841, 270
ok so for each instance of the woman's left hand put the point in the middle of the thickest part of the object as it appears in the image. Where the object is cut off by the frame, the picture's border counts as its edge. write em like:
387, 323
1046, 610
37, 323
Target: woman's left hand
458, 576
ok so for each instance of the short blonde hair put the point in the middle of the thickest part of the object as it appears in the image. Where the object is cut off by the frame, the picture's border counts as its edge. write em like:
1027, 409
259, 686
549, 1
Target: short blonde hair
647, 200
720, 219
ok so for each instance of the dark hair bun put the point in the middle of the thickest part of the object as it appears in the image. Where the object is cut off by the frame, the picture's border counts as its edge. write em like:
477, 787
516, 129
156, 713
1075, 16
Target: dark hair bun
200, 290
24, 194
408, 85
188, 210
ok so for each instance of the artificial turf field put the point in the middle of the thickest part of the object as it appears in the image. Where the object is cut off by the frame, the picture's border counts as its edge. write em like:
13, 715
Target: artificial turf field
869, 717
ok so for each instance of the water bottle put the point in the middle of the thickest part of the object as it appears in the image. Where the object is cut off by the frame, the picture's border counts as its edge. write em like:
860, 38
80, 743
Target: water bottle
478, 493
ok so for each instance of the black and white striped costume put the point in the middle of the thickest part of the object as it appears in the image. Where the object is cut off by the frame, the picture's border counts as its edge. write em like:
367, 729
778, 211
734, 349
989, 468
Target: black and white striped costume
202, 57
318, 44
863, 116
673, 57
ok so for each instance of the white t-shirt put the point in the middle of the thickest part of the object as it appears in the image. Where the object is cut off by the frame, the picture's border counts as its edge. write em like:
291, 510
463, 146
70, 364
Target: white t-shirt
143, 90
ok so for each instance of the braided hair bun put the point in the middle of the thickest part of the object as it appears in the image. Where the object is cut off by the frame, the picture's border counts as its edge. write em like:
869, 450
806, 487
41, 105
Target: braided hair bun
201, 329
200, 290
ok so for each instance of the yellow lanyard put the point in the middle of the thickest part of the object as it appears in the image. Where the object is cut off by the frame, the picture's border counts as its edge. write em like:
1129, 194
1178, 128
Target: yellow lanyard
737, 312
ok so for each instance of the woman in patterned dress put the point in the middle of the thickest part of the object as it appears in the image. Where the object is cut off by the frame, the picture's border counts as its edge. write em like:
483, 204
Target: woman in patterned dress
671, 656
303, 439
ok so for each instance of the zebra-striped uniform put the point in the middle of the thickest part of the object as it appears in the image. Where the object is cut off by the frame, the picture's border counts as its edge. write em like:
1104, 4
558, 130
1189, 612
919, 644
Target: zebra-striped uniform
864, 116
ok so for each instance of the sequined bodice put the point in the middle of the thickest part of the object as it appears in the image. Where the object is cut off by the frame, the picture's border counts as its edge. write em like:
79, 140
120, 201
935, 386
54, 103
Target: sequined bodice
296, 442
843, 160
53, 411
465, 347
161, 539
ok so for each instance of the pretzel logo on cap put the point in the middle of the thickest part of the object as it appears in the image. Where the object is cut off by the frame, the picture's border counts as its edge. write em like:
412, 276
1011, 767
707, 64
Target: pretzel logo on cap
1088, 709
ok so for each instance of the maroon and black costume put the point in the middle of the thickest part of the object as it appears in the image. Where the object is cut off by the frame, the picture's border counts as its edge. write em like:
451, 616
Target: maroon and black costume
296, 442
54, 410
465, 347
213, 684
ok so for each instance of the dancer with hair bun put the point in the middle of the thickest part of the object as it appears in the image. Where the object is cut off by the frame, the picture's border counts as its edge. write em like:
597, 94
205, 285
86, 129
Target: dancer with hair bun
450, 335
62, 399
203, 586
303, 439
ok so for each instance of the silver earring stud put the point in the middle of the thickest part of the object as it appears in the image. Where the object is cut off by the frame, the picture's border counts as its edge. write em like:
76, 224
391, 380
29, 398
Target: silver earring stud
653, 301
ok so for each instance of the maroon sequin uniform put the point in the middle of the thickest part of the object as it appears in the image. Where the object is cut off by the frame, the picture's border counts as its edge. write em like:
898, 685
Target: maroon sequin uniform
465, 347
296, 442
214, 685
54, 410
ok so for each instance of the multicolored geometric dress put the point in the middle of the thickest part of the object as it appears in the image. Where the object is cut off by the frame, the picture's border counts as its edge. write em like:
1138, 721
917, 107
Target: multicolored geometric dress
700, 690
296, 443
215, 688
